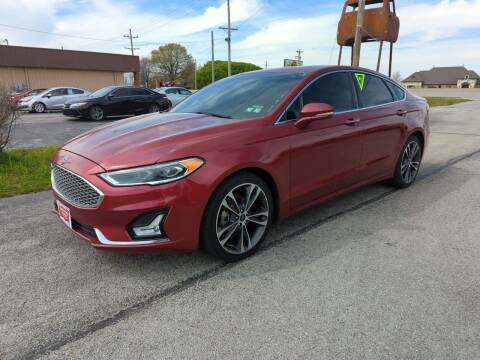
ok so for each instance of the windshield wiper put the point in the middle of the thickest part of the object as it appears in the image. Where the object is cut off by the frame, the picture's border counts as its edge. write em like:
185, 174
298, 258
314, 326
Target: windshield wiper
212, 114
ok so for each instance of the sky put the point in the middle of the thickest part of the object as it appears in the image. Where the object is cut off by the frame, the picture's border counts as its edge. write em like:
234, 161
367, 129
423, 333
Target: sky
432, 32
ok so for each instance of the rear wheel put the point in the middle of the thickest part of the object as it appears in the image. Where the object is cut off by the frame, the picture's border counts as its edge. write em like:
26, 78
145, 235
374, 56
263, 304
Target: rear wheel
153, 108
237, 217
96, 113
408, 164
39, 107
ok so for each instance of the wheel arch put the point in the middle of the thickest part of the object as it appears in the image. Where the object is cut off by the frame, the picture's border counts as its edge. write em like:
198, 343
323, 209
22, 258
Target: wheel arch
418, 133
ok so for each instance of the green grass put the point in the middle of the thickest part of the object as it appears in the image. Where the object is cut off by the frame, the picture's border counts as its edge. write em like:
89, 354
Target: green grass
444, 101
25, 170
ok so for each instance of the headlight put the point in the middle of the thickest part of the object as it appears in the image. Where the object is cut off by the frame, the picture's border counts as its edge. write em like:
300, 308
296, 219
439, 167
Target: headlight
79, 104
153, 174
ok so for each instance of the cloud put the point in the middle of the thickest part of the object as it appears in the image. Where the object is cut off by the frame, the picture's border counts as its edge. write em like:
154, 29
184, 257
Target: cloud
441, 20
440, 32
427, 36
110, 19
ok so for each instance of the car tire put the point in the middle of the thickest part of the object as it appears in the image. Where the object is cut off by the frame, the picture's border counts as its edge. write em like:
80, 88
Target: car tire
39, 107
408, 164
153, 108
237, 218
96, 113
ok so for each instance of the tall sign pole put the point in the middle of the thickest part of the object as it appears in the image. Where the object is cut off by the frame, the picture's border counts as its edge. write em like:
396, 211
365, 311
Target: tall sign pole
358, 34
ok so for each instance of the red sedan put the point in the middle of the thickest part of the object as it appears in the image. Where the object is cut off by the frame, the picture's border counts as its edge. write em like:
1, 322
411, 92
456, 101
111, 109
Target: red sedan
15, 98
235, 157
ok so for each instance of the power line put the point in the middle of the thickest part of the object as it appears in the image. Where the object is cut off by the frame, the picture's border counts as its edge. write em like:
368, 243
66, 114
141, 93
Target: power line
54, 34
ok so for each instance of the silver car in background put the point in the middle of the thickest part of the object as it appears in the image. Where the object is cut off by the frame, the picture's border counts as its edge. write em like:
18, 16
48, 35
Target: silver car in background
174, 94
51, 99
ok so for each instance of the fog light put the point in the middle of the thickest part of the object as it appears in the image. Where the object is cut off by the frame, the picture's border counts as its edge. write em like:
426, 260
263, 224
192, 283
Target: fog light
148, 226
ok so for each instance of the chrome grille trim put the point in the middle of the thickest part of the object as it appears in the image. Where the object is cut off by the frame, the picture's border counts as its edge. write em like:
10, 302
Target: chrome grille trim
74, 189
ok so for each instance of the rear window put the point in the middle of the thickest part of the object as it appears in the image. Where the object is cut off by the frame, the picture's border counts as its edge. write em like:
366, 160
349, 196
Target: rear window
397, 91
140, 92
121, 92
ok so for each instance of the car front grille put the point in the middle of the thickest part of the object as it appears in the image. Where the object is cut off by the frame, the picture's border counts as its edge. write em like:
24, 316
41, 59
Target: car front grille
75, 189
66, 106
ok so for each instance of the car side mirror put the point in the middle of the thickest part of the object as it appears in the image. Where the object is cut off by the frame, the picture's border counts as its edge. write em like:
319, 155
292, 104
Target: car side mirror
312, 112
110, 96
48, 96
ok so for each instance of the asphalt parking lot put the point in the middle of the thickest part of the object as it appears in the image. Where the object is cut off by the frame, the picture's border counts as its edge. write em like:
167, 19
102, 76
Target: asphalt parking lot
52, 128
375, 274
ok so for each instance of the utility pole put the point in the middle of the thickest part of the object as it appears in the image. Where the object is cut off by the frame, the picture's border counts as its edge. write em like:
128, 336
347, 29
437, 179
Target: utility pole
299, 57
195, 62
266, 64
358, 34
131, 37
229, 30
213, 59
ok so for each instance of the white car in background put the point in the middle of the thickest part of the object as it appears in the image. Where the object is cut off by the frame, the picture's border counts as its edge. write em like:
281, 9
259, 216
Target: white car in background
51, 99
174, 94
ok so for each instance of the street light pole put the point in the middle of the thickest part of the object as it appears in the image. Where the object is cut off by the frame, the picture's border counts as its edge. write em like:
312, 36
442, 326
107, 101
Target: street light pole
358, 33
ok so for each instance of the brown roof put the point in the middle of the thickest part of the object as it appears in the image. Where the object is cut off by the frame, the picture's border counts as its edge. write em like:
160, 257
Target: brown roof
442, 75
19, 56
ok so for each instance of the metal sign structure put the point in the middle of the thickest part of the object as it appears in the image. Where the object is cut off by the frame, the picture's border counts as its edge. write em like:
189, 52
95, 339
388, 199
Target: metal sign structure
380, 24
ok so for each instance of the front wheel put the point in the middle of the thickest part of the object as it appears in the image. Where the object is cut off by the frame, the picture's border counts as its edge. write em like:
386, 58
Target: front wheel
408, 164
39, 107
96, 113
237, 217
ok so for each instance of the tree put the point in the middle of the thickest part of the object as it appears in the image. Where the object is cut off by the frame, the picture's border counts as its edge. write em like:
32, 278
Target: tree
397, 76
145, 71
204, 74
172, 62
8, 116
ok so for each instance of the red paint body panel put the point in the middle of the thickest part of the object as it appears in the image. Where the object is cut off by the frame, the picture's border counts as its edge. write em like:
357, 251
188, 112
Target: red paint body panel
307, 166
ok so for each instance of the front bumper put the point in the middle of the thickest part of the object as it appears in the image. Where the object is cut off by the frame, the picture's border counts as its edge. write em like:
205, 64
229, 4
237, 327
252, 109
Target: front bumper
108, 225
24, 106
74, 112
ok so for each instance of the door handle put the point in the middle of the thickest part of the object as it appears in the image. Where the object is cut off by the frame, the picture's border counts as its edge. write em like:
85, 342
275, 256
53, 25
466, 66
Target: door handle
352, 122
401, 112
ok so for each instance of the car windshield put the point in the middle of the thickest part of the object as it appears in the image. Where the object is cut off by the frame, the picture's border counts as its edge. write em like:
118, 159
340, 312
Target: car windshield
102, 92
245, 96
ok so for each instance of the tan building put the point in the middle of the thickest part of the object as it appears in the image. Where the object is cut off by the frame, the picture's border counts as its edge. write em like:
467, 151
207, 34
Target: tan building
443, 77
29, 68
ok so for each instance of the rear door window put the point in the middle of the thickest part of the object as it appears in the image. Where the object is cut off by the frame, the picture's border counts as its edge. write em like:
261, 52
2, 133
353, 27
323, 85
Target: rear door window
75, 92
371, 90
335, 89
121, 92
140, 92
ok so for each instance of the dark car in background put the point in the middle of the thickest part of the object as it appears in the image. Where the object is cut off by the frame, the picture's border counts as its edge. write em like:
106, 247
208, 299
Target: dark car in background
117, 100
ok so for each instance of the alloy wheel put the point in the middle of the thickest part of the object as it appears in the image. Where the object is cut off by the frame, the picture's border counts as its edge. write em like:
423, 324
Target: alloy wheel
242, 218
153, 108
410, 162
96, 113
39, 108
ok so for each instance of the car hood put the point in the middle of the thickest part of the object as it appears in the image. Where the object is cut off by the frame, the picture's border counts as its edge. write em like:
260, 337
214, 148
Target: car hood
148, 139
